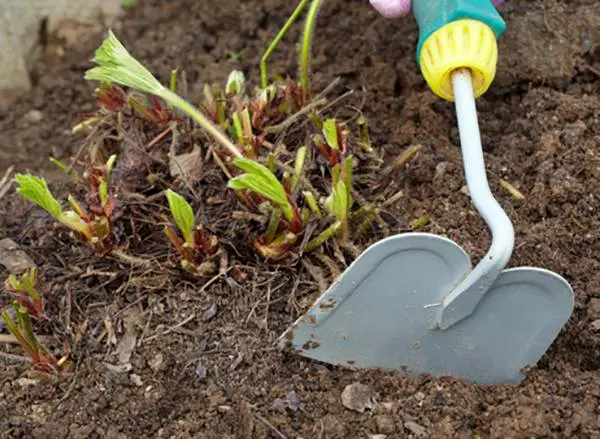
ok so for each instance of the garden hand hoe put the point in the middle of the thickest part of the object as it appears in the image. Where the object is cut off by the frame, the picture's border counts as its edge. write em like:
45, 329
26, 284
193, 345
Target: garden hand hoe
412, 302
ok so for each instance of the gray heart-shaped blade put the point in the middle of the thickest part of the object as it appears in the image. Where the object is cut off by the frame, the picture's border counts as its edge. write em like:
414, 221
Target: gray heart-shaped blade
382, 313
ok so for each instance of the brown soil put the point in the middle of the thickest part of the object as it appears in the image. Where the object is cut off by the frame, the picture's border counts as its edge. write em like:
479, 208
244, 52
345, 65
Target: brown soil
194, 375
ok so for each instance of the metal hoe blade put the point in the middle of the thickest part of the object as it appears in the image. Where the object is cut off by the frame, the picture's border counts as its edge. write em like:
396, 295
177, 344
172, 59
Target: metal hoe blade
413, 302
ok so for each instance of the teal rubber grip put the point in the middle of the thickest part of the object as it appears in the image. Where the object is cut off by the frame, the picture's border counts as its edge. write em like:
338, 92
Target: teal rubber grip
432, 15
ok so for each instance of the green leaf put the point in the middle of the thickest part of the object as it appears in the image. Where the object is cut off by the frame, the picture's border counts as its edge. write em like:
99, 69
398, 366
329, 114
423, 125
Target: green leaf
13, 282
237, 127
35, 189
103, 192
330, 132
324, 236
299, 166
110, 164
348, 181
173, 81
74, 221
261, 180
116, 65
236, 83
183, 214
337, 202
365, 137
312, 203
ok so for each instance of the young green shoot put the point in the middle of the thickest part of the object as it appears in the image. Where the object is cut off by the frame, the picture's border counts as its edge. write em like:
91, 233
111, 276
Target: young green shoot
63, 167
298, 167
197, 245
25, 292
330, 131
117, 65
236, 83
305, 48
95, 228
172, 85
365, 137
35, 189
22, 329
261, 181
286, 27
339, 203
285, 224
333, 140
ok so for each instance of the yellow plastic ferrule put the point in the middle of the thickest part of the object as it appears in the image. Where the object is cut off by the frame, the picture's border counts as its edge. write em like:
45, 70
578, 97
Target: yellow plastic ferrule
459, 44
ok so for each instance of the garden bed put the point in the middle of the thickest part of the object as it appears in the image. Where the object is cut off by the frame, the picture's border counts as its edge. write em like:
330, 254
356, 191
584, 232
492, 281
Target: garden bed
205, 362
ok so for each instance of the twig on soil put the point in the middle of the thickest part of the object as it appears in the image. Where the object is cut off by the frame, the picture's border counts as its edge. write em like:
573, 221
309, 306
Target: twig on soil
393, 198
268, 302
221, 165
16, 358
6, 183
171, 329
159, 137
273, 429
273, 129
336, 101
327, 89
11, 339
130, 259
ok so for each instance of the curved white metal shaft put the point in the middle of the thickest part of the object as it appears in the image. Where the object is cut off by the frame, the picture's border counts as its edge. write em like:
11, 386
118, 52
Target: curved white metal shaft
463, 299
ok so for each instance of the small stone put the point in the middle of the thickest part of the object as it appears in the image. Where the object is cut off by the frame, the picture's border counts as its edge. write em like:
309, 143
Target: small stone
440, 172
593, 308
201, 371
293, 401
136, 379
385, 424
390, 406
593, 288
377, 436
210, 313
13, 258
26, 382
118, 368
279, 405
34, 116
416, 429
358, 397
156, 362
224, 409
595, 325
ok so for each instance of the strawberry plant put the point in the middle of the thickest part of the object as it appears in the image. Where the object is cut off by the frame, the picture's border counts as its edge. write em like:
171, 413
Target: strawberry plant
247, 124
197, 246
22, 329
28, 306
25, 293
92, 226
276, 200
117, 66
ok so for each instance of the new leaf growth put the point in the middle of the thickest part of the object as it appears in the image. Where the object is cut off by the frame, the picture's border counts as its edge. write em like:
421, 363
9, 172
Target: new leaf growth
198, 245
117, 65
